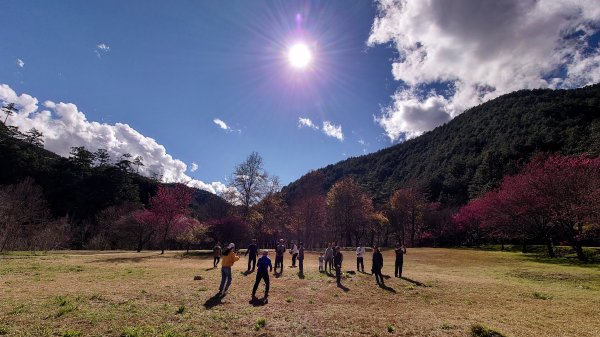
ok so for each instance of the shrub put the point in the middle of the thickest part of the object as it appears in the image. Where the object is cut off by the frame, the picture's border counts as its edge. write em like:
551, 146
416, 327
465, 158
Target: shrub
478, 330
260, 323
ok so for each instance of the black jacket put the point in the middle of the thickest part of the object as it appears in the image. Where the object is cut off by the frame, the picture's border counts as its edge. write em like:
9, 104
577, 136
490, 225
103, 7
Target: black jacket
377, 260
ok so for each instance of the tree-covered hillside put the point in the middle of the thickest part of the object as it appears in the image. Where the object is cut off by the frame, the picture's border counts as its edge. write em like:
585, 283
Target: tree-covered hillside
470, 154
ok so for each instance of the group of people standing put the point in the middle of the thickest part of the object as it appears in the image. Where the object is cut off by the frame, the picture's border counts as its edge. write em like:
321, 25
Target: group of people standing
332, 258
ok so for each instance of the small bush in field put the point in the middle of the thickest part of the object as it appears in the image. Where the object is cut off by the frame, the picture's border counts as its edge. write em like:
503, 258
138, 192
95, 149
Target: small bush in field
478, 330
390, 328
260, 323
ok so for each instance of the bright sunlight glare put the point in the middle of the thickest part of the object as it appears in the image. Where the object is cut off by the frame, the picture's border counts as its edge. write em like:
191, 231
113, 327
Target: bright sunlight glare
299, 56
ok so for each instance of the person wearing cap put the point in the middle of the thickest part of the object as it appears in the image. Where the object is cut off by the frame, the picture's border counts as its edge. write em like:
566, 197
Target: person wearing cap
263, 267
280, 250
229, 258
253, 251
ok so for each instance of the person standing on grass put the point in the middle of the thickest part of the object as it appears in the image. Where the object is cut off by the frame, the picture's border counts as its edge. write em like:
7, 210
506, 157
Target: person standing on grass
360, 255
216, 254
328, 257
294, 251
253, 251
321, 263
400, 251
301, 258
264, 266
377, 265
279, 251
337, 261
229, 258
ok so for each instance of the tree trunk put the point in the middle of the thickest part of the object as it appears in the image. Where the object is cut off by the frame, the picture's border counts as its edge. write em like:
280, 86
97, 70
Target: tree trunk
579, 250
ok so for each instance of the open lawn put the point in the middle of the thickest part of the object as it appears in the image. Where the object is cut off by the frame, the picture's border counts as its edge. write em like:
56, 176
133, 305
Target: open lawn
445, 293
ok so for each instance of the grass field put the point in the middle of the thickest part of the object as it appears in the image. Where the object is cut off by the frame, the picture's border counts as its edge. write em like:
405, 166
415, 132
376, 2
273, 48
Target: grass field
445, 293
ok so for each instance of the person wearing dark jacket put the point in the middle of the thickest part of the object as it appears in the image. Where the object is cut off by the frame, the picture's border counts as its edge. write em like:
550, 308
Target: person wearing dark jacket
264, 266
338, 258
301, 258
279, 251
253, 251
400, 251
377, 265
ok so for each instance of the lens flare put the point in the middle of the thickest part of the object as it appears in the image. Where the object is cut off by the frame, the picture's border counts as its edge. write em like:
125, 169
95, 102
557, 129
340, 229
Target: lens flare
300, 56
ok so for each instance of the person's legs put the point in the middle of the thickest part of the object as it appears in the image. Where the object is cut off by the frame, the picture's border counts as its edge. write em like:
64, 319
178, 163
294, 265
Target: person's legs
258, 277
266, 278
228, 275
400, 268
281, 265
254, 262
249, 262
338, 274
294, 257
362, 264
223, 277
397, 268
301, 265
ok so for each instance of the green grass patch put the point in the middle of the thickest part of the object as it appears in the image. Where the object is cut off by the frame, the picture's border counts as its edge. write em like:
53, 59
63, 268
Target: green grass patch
3, 330
71, 333
289, 300
180, 310
19, 309
260, 323
478, 330
390, 328
541, 296
131, 332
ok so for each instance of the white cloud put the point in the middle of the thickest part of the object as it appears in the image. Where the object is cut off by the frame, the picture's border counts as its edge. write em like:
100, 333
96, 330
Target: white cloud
20, 63
306, 122
224, 126
193, 167
361, 142
101, 48
221, 124
479, 50
64, 126
333, 130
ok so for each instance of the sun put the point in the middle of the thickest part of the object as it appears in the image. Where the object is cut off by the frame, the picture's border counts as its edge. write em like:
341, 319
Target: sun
300, 56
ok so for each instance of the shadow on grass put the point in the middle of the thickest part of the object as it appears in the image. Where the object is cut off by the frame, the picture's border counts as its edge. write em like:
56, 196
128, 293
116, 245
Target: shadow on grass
343, 287
135, 259
209, 269
247, 272
213, 301
258, 302
417, 283
388, 288
567, 260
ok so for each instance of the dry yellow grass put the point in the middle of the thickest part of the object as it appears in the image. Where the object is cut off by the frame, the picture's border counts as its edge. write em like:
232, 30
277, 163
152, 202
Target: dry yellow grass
146, 294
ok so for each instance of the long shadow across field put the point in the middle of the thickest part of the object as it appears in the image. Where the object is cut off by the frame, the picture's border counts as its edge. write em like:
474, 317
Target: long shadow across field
213, 301
417, 283
135, 259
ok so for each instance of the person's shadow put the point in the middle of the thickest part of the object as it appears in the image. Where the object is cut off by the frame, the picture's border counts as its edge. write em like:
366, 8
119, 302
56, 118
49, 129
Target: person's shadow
384, 287
209, 269
247, 272
343, 287
213, 301
417, 283
259, 302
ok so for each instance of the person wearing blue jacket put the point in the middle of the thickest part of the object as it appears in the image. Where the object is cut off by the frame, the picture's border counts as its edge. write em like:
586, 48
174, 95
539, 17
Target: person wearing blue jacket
263, 266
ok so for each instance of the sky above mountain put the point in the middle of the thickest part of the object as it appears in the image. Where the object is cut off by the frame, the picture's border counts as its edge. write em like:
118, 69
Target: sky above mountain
194, 87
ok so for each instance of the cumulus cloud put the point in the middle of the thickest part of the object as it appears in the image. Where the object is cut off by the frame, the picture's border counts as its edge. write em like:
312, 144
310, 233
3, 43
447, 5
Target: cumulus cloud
103, 47
457, 54
64, 126
20, 63
306, 122
193, 167
333, 130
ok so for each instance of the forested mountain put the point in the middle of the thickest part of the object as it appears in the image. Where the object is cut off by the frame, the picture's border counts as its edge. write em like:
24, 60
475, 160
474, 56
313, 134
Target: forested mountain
81, 187
470, 154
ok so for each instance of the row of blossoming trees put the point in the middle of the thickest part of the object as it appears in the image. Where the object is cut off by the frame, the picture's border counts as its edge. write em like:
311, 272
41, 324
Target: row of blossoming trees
553, 198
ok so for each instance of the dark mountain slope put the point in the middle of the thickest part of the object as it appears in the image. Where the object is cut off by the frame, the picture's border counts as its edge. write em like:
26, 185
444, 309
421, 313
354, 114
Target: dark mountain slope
470, 154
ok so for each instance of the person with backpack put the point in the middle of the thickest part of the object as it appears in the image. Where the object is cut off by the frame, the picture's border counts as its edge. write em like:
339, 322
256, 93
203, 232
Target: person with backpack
229, 258
377, 265
262, 273
253, 251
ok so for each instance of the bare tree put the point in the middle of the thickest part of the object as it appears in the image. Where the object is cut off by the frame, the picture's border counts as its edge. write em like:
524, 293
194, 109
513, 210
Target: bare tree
249, 183
9, 109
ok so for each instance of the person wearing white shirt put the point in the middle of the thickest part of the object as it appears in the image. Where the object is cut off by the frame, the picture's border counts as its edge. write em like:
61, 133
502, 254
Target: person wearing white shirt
294, 251
360, 257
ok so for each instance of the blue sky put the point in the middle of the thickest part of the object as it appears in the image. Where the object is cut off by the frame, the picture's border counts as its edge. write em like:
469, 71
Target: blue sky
173, 68
208, 82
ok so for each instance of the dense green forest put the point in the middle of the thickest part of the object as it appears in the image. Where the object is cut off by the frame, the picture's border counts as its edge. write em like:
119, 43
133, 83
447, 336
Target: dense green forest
80, 188
469, 155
